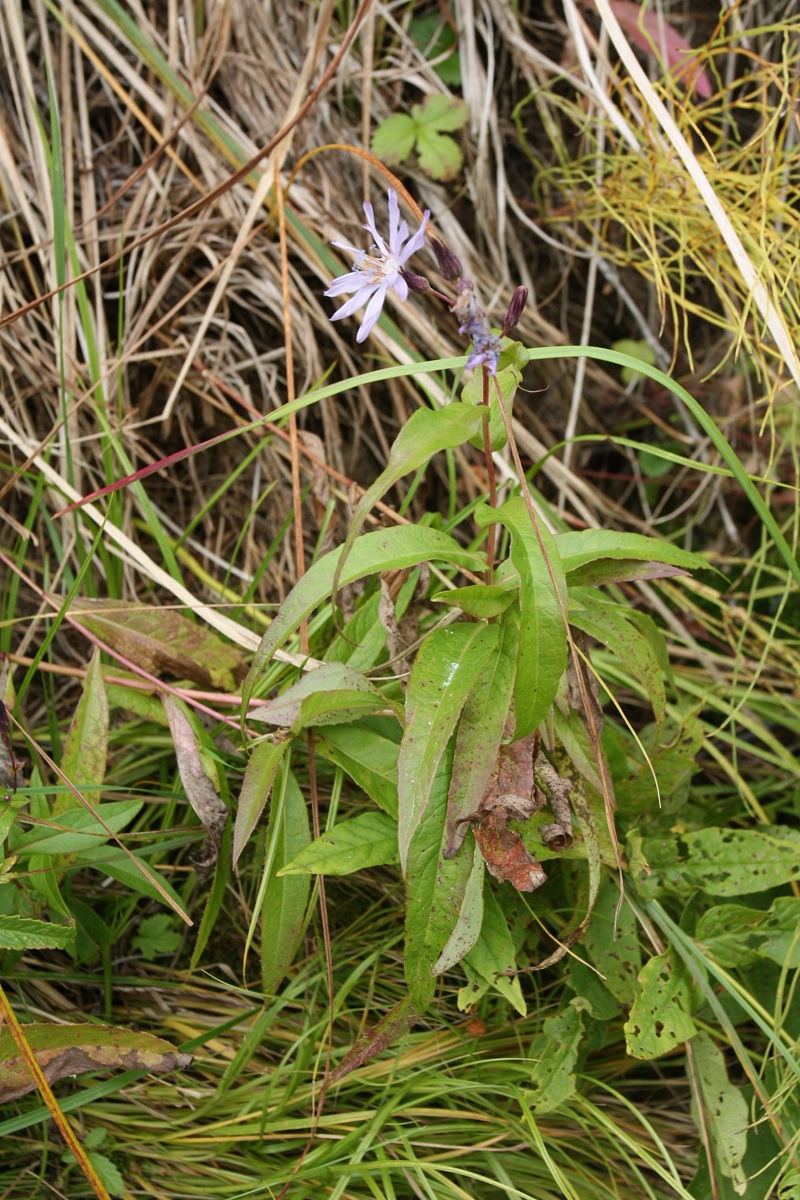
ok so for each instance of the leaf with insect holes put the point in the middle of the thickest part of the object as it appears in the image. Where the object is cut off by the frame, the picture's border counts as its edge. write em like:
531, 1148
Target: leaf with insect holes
554, 1053
660, 1017
426, 128
725, 1115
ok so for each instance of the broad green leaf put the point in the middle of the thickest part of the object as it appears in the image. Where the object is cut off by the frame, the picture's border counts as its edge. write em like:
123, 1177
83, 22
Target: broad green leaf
493, 957
479, 600
63, 1050
612, 944
363, 841
584, 546
79, 829
285, 900
543, 601
470, 920
481, 732
634, 349
382, 550
86, 745
257, 784
332, 694
433, 37
444, 113
723, 862
435, 888
446, 668
736, 936
660, 1018
425, 433
609, 624
554, 1053
157, 935
369, 759
26, 933
394, 139
725, 1111
439, 155
162, 640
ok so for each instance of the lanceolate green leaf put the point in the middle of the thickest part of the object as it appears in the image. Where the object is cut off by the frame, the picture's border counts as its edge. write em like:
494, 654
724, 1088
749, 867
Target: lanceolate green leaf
608, 623
367, 840
492, 957
467, 929
332, 694
86, 747
543, 604
369, 759
78, 829
383, 550
427, 431
256, 787
577, 548
725, 1114
435, 888
481, 732
447, 666
285, 899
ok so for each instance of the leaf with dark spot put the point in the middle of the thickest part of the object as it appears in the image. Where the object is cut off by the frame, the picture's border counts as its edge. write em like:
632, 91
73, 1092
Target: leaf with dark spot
396, 1022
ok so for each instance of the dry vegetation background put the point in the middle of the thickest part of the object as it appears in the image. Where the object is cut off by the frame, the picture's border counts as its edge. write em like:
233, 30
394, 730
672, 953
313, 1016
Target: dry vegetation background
135, 322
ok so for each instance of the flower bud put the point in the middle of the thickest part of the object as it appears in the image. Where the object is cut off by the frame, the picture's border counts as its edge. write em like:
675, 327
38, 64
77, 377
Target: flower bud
416, 283
515, 309
448, 264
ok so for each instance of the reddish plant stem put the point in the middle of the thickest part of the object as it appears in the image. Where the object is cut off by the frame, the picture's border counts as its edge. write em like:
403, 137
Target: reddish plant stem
490, 475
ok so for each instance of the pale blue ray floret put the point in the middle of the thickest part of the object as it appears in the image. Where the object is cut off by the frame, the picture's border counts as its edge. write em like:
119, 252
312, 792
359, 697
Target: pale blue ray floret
373, 274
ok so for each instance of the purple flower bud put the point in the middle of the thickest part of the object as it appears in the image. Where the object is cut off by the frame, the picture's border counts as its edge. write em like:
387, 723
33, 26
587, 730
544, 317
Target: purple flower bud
416, 283
448, 264
515, 309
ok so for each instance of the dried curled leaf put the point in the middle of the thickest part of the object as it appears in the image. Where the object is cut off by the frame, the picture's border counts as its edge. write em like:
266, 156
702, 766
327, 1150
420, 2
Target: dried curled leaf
62, 1050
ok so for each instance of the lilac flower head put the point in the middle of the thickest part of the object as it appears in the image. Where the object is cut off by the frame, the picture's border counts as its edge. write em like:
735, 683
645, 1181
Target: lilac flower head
373, 274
